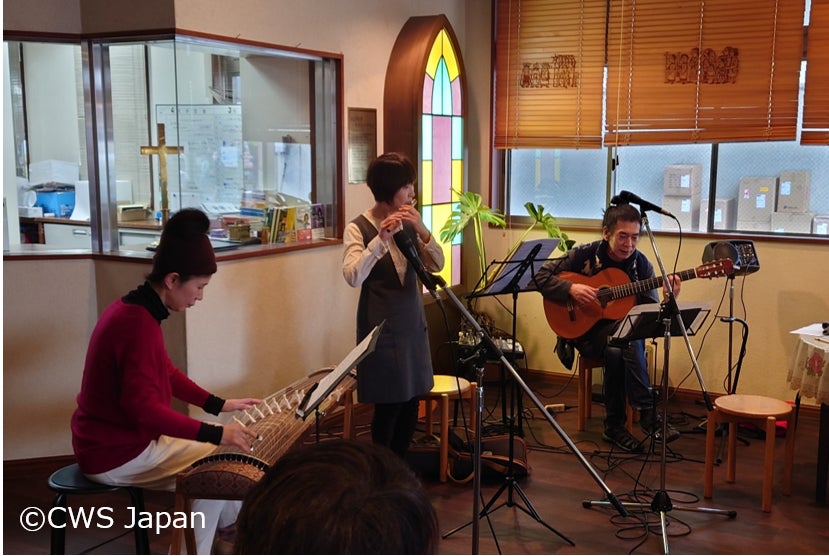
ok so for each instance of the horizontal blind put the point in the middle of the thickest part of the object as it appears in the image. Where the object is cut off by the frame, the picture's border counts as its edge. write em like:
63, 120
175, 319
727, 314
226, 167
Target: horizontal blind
549, 65
703, 71
816, 96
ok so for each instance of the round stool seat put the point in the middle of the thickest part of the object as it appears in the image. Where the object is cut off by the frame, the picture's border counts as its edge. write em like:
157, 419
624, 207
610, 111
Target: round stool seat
762, 412
70, 480
749, 405
449, 385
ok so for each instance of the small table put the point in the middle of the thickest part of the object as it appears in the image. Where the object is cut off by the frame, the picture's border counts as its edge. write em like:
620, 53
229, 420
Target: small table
809, 375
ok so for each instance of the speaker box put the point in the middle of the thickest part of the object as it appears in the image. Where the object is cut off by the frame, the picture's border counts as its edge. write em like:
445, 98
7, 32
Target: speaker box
741, 253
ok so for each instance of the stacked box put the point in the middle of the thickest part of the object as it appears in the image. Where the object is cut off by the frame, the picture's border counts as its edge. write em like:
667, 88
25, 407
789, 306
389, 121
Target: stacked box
725, 214
820, 225
792, 222
681, 195
755, 203
686, 210
682, 180
54, 171
794, 191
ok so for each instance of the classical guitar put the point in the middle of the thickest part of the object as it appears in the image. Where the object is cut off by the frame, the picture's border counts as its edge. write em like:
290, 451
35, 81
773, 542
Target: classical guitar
615, 296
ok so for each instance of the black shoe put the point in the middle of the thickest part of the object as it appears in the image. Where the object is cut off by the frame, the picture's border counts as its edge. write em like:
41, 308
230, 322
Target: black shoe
621, 438
651, 423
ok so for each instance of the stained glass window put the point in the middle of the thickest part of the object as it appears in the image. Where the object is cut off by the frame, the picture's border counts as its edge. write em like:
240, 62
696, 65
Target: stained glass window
442, 171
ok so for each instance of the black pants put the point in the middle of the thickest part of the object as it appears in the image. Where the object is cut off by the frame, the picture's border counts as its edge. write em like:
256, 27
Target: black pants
393, 425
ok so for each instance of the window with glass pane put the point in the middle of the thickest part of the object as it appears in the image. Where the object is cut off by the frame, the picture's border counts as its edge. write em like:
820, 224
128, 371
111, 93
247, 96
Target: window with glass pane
44, 127
758, 186
442, 170
255, 128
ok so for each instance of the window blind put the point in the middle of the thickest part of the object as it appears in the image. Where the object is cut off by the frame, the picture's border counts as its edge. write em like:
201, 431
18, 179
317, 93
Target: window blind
549, 65
702, 71
816, 96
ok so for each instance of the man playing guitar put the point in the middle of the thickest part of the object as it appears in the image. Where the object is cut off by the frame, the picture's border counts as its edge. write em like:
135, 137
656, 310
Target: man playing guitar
626, 374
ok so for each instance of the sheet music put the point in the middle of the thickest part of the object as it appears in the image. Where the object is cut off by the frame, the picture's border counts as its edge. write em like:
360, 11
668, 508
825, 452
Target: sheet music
325, 386
649, 311
509, 268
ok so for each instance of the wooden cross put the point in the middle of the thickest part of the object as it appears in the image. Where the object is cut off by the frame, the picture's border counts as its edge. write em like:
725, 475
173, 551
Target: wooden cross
162, 150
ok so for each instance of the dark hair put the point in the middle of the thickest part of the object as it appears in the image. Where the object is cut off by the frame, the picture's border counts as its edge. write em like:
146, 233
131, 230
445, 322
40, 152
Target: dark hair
388, 173
338, 497
184, 247
624, 212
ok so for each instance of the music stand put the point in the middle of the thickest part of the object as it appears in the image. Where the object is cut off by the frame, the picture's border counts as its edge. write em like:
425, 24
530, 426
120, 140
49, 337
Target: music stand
650, 321
645, 322
488, 344
320, 390
513, 278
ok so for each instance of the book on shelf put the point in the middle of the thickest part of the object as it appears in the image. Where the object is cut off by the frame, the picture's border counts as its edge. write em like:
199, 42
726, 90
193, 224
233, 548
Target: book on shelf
317, 221
286, 227
303, 223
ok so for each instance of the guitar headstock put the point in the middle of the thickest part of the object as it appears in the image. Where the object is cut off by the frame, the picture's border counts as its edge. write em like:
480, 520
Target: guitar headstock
715, 269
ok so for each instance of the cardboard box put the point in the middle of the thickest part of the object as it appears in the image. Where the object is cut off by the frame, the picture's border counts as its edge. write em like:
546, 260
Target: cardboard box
132, 213
30, 212
820, 225
794, 191
756, 199
725, 214
686, 210
792, 222
753, 225
683, 180
54, 171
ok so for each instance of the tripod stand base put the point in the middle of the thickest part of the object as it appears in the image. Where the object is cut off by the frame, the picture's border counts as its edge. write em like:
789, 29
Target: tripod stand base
510, 485
731, 514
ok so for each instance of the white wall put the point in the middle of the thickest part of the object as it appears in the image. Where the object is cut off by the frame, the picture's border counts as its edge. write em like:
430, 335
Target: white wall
263, 322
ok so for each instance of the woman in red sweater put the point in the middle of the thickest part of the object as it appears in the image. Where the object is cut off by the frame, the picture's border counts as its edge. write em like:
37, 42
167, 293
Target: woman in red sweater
124, 431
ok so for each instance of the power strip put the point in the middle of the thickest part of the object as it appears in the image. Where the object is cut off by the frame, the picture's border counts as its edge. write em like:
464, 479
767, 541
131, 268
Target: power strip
555, 407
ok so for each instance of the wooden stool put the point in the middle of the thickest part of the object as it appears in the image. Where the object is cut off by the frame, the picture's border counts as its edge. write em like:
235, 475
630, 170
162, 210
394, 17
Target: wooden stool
763, 412
446, 388
585, 392
585, 388
69, 480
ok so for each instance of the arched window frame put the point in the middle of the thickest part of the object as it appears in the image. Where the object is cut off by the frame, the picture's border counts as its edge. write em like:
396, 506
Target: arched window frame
423, 117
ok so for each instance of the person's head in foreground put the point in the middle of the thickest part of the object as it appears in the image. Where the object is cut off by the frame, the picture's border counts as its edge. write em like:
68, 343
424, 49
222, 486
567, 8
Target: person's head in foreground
338, 497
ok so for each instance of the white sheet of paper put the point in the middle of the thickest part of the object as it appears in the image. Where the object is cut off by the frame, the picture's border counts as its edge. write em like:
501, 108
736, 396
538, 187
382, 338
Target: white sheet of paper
815, 329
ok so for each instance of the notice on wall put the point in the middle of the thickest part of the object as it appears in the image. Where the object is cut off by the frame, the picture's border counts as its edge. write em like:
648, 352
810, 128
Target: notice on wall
213, 164
362, 142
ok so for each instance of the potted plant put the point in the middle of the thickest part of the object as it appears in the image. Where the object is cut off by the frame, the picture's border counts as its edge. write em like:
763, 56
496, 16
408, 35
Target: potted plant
471, 209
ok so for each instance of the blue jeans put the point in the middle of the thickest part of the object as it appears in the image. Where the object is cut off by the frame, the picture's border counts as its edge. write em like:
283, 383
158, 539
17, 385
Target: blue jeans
625, 379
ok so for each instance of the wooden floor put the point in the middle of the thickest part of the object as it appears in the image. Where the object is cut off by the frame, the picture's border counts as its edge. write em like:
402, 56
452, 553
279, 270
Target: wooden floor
558, 490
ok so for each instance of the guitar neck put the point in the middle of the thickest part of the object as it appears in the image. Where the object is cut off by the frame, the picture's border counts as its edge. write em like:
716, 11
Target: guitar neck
641, 286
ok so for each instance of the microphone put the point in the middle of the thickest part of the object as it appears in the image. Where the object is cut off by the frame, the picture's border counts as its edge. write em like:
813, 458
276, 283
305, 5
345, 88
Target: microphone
407, 247
628, 197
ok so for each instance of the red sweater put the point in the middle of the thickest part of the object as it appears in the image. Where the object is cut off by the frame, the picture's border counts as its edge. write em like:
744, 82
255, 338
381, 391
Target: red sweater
128, 384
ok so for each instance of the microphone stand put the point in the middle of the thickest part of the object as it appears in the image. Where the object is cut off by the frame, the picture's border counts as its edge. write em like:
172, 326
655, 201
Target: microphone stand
489, 344
661, 502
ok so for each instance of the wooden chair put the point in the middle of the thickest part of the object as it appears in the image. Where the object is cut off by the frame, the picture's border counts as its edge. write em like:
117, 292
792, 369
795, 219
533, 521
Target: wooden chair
763, 412
447, 388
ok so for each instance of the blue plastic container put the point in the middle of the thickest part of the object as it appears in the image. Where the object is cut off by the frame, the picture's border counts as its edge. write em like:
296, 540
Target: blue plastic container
61, 203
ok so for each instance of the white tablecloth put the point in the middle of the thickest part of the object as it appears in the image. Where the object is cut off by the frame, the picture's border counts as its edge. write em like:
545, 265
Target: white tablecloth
809, 369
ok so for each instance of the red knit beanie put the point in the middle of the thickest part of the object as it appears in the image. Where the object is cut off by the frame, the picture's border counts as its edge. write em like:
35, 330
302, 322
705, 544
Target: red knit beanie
184, 246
